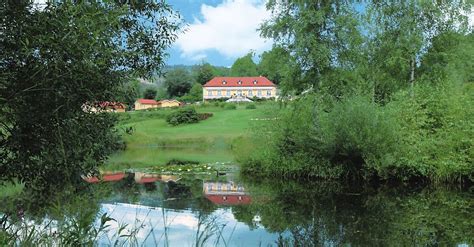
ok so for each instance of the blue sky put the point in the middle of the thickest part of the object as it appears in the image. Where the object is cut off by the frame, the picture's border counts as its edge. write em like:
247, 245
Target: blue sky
218, 31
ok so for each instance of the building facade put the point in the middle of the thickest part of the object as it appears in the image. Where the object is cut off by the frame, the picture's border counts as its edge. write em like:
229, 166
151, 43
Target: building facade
169, 103
230, 87
143, 104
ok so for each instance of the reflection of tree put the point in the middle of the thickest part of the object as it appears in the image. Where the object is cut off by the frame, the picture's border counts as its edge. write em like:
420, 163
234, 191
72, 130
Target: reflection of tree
316, 214
68, 216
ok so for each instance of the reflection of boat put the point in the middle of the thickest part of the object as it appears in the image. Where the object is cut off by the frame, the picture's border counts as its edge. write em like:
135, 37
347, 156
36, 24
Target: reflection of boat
140, 177
108, 177
226, 193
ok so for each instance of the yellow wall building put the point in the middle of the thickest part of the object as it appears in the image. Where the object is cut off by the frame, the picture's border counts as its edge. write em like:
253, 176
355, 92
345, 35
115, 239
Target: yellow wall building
229, 87
143, 104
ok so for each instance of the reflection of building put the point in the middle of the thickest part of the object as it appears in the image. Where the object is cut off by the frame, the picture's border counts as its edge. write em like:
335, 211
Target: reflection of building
225, 193
230, 87
107, 177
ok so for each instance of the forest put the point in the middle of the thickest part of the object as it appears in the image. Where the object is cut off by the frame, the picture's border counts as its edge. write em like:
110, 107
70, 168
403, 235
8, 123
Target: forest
376, 91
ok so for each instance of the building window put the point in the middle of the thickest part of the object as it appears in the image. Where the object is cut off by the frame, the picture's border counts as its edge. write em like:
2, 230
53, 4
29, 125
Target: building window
250, 93
219, 93
239, 92
224, 82
269, 93
255, 82
259, 92
228, 92
209, 93
239, 82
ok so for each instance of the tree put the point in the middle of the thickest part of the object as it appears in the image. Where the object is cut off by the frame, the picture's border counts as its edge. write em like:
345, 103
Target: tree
150, 93
56, 59
204, 72
194, 95
244, 66
324, 38
178, 82
275, 64
129, 92
401, 34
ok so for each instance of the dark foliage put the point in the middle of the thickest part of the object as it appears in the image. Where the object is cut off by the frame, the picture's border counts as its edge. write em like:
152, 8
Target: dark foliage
183, 116
54, 60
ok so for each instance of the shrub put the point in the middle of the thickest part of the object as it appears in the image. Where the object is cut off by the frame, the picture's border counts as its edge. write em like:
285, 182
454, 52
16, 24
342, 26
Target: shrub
354, 139
251, 106
183, 116
204, 116
230, 107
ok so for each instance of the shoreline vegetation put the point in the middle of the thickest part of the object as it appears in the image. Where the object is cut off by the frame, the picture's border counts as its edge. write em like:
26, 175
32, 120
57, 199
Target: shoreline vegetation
427, 139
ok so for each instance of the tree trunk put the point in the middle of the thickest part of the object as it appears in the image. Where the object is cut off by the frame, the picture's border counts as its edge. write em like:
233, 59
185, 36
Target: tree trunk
412, 76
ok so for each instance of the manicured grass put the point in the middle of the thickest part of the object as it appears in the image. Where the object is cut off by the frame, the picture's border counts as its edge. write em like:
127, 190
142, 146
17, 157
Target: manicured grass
154, 142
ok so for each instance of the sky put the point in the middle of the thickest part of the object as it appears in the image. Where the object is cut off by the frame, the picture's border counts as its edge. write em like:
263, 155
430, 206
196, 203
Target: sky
218, 31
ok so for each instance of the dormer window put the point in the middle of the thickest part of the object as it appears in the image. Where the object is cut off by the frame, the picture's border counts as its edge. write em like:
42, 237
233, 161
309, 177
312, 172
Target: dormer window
224, 82
239, 82
255, 82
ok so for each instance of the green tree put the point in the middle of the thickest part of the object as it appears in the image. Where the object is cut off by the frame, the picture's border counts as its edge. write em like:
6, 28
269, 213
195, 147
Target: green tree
178, 82
129, 92
161, 93
401, 33
323, 36
55, 60
194, 95
450, 58
244, 66
275, 64
204, 72
150, 93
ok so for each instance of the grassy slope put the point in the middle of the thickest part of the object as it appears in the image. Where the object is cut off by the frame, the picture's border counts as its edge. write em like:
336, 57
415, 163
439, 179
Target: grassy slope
154, 142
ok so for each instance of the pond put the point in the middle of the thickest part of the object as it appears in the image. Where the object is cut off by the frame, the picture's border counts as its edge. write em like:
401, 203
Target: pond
145, 209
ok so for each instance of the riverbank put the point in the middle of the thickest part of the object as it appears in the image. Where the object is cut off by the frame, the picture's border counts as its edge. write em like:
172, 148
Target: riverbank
154, 142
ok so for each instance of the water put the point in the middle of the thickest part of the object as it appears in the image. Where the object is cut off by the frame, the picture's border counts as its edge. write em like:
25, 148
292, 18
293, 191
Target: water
191, 210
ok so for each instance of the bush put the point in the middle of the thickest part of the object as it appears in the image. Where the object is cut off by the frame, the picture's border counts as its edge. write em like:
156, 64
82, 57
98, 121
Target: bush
251, 106
427, 137
204, 116
354, 139
183, 116
230, 107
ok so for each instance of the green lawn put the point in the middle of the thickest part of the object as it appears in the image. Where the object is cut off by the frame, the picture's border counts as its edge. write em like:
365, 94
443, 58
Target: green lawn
154, 142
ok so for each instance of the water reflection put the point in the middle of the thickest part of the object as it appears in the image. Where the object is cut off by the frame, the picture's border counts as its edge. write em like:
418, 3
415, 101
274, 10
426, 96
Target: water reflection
226, 193
168, 210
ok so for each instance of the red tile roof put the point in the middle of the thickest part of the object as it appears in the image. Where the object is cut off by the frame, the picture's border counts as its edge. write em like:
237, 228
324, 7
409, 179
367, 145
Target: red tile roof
147, 101
256, 81
229, 199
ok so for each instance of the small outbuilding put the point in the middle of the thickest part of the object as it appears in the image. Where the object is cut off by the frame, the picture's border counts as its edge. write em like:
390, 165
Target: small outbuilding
143, 104
169, 103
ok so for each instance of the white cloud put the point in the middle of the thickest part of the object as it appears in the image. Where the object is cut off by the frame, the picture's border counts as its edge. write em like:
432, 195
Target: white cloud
229, 28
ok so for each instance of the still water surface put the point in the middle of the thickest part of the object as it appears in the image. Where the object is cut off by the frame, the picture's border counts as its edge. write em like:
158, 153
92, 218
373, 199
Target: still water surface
204, 210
